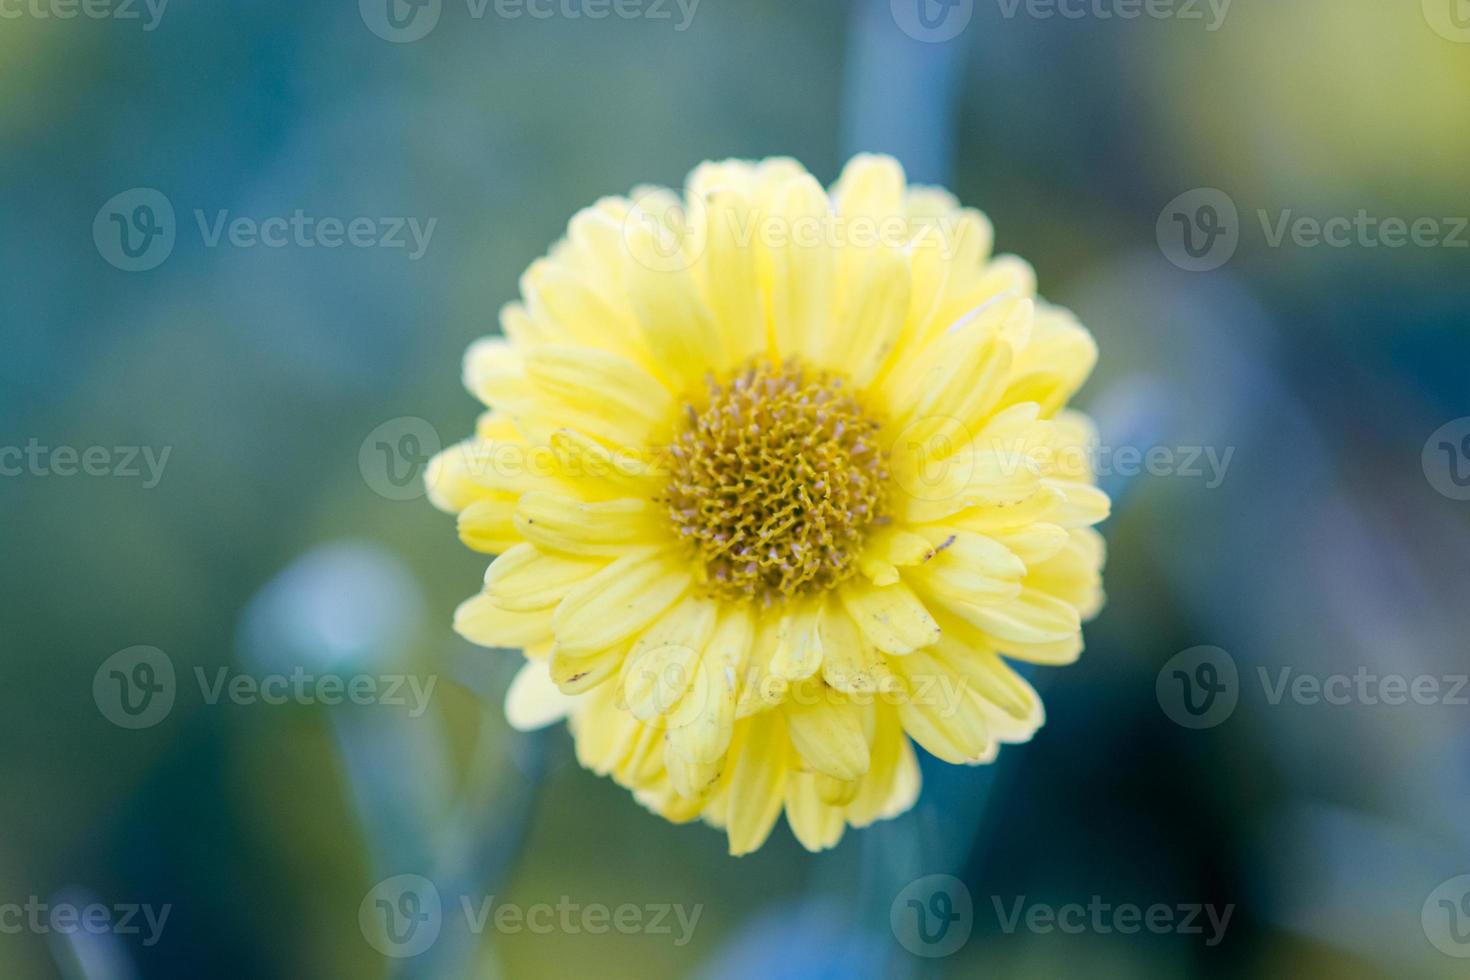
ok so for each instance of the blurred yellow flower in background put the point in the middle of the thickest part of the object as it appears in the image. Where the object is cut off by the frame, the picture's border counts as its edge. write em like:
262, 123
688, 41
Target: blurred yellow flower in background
777, 478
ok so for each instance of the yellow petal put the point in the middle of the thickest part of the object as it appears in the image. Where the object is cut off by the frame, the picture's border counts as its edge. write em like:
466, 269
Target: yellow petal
891, 616
968, 568
801, 270
799, 645
570, 526
524, 578
1032, 617
731, 282
480, 620
828, 734
944, 717
699, 729
661, 665
675, 323
892, 783
617, 602
691, 778
757, 782
490, 364
873, 307
533, 701
604, 384
488, 524
580, 674
816, 823
849, 661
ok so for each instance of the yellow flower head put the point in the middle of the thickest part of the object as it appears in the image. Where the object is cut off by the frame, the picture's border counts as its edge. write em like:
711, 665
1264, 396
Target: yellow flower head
777, 477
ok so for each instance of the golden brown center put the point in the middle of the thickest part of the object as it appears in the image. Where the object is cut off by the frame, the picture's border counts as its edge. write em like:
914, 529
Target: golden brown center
774, 481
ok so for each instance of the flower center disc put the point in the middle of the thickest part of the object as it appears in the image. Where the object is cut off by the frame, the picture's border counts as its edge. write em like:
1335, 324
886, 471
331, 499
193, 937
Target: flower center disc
775, 481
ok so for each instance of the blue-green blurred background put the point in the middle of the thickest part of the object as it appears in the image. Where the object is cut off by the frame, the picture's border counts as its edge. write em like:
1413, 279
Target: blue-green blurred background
1334, 542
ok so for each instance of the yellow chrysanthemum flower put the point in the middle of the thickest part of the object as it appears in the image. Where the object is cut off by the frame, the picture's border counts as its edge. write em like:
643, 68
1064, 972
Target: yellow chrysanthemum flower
777, 478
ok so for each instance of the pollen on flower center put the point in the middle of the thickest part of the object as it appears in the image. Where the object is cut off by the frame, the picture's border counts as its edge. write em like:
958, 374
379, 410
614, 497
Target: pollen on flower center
774, 481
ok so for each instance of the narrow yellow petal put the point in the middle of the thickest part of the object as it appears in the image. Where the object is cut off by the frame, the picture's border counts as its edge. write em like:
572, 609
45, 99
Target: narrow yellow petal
479, 620
815, 822
572, 527
801, 270
1032, 617
524, 578
580, 674
757, 782
799, 646
488, 524
533, 701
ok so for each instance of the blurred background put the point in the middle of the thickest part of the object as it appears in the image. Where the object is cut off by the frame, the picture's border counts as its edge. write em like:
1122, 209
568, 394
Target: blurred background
213, 520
